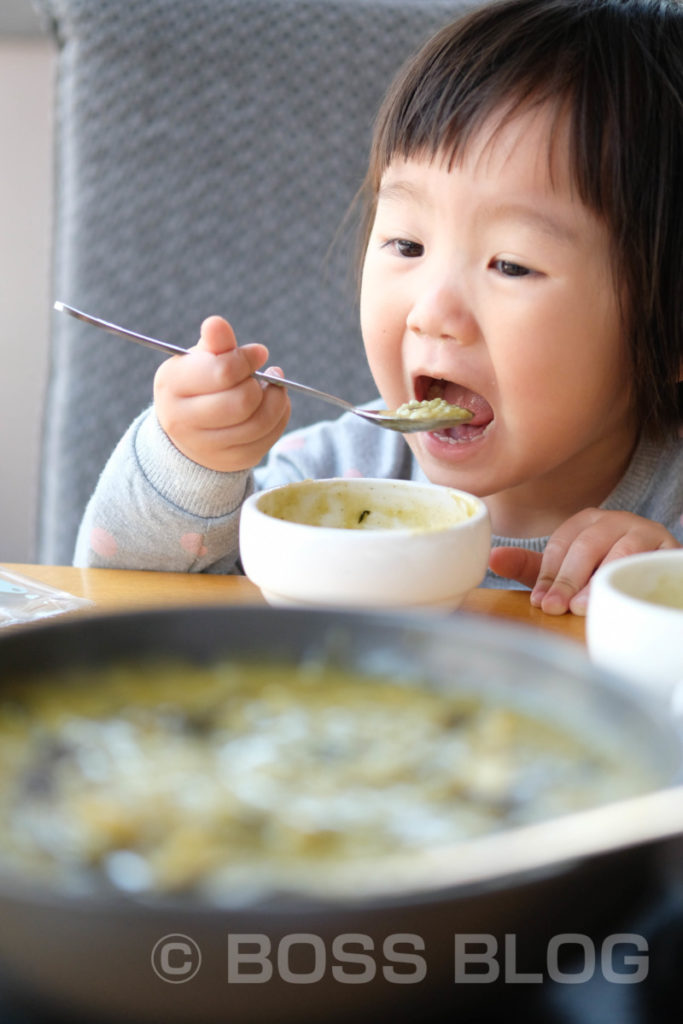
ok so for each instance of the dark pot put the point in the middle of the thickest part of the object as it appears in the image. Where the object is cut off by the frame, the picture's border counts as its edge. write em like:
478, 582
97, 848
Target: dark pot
106, 957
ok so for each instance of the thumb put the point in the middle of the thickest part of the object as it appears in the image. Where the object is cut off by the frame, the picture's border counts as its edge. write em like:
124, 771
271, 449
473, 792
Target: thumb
216, 336
516, 564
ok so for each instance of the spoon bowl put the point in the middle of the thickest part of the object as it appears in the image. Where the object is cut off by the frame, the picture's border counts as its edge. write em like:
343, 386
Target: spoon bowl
413, 417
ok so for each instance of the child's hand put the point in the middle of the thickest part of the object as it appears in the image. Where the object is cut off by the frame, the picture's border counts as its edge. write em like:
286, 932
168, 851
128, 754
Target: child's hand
560, 577
211, 407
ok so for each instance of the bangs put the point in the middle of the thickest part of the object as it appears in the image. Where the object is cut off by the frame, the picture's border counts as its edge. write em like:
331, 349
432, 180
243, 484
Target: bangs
504, 61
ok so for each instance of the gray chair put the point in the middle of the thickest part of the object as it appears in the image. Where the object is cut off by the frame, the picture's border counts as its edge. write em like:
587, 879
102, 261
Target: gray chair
207, 152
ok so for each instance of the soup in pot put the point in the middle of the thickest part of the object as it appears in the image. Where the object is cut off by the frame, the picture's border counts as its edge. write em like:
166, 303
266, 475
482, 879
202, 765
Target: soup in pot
173, 777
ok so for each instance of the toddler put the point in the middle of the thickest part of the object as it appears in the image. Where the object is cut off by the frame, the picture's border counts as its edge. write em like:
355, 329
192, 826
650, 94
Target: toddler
522, 258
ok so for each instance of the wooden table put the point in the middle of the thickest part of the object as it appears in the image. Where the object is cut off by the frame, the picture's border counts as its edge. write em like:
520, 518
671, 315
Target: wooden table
116, 589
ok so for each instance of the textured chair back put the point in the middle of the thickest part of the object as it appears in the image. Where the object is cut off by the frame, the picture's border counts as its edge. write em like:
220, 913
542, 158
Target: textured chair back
207, 152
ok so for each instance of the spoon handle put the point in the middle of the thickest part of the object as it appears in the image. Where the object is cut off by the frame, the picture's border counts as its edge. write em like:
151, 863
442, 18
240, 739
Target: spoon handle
141, 339
177, 350
294, 385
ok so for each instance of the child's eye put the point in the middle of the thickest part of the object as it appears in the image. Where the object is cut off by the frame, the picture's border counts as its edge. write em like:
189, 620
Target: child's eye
510, 269
404, 247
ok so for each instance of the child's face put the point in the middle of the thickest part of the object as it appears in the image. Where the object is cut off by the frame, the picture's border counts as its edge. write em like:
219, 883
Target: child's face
490, 283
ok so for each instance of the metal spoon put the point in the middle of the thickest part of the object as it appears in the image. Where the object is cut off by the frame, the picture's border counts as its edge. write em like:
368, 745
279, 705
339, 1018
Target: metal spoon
405, 424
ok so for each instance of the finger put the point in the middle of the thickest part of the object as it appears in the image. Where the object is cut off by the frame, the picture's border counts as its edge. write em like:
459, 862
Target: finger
216, 336
237, 406
579, 603
573, 575
559, 544
237, 448
273, 371
556, 550
256, 432
201, 372
640, 538
256, 355
669, 544
217, 410
516, 564
603, 540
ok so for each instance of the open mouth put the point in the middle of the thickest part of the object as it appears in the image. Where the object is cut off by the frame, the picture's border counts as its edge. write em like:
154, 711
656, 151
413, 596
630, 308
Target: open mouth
427, 388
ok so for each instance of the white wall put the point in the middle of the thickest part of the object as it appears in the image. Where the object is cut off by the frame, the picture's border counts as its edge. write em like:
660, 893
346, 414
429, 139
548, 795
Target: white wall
26, 106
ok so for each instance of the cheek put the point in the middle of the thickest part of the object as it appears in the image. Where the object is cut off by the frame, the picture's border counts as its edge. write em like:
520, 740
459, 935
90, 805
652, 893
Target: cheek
534, 381
384, 359
371, 311
382, 326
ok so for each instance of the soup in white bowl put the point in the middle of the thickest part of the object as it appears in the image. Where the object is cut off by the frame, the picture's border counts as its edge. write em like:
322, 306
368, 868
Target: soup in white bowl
365, 543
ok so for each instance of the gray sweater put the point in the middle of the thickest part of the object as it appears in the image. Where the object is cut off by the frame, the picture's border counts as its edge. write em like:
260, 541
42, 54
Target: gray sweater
153, 508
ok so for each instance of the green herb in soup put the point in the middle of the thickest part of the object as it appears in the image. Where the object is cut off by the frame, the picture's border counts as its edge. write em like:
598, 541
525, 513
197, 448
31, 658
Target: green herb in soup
173, 777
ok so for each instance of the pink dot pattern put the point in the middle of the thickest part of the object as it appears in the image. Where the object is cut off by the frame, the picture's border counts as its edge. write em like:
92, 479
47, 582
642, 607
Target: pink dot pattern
291, 444
193, 543
103, 543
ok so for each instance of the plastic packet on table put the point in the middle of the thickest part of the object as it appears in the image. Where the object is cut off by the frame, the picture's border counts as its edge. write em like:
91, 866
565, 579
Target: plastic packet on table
25, 600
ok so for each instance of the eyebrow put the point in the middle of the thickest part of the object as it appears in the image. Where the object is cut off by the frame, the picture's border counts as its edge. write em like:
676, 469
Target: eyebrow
396, 191
535, 218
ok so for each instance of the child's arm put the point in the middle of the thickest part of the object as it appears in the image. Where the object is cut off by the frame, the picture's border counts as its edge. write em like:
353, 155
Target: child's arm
560, 577
153, 508
210, 406
170, 494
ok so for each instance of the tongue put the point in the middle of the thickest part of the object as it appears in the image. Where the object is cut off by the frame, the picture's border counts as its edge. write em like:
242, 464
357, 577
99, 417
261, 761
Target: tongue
456, 394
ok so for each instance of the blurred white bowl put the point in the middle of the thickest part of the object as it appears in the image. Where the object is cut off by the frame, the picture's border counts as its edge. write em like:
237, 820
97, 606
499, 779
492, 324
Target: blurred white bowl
365, 543
634, 622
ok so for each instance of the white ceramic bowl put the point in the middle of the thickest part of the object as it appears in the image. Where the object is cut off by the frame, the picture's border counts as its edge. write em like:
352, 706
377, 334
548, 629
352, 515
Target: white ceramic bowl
634, 621
364, 543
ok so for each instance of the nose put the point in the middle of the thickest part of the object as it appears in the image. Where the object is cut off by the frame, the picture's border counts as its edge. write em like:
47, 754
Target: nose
440, 311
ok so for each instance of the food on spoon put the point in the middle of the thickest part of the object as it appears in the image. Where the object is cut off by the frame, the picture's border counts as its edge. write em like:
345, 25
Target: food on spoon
430, 409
